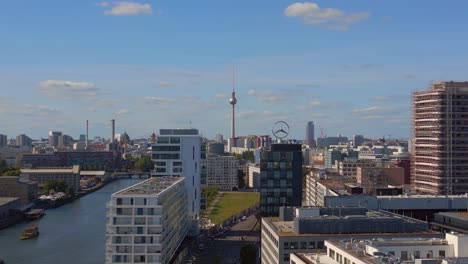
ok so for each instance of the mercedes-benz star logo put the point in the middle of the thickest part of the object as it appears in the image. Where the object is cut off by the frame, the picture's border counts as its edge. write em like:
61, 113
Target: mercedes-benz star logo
280, 129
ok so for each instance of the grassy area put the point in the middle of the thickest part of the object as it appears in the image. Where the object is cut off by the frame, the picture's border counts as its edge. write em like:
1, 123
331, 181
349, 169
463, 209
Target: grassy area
232, 203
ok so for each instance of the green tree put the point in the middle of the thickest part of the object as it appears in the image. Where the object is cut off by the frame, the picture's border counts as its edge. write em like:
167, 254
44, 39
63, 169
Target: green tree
12, 172
56, 185
144, 164
69, 191
217, 260
248, 254
240, 179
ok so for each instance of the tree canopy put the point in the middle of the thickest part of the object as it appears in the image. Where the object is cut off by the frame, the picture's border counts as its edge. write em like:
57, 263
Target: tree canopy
145, 164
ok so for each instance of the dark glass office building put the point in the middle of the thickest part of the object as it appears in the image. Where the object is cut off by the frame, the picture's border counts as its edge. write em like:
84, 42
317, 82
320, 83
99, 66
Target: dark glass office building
280, 178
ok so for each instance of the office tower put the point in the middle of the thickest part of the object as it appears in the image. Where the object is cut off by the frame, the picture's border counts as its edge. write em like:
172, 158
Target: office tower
3, 140
54, 138
358, 140
177, 153
147, 222
310, 134
23, 140
280, 178
82, 137
440, 139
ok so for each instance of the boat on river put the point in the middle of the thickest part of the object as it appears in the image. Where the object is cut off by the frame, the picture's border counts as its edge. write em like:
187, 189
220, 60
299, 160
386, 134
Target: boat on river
35, 214
30, 232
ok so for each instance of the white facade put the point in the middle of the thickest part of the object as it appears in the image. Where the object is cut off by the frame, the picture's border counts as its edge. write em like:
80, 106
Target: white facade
221, 172
178, 153
254, 176
147, 222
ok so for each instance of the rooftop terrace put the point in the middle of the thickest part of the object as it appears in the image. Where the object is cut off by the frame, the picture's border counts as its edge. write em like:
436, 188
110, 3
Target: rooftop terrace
152, 186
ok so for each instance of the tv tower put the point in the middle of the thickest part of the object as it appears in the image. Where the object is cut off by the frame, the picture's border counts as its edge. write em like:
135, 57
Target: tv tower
232, 102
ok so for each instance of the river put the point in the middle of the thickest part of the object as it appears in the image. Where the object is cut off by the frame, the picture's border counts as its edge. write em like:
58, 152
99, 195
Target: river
72, 233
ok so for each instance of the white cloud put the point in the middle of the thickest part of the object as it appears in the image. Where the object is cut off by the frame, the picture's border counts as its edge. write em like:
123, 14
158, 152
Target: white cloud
102, 4
222, 96
126, 8
68, 89
371, 109
159, 100
311, 13
123, 111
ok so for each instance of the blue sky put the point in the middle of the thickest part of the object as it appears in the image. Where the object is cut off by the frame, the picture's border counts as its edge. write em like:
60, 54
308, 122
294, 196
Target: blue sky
349, 66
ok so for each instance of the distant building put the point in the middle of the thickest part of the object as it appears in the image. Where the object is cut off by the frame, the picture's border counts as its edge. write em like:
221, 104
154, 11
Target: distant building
222, 172
263, 141
54, 138
310, 227
215, 149
310, 134
82, 137
3, 140
14, 186
328, 141
358, 140
147, 222
71, 176
451, 222
439, 151
88, 160
219, 138
23, 140
178, 153
65, 141
371, 179
280, 178
9, 208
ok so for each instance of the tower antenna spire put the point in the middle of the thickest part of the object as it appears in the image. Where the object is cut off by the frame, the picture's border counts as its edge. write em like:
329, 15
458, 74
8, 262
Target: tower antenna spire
233, 77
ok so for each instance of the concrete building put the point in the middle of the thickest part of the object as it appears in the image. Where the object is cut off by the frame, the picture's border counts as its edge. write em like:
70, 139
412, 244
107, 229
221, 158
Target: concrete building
3, 140
221, 172
23, 140
54, 138
371, 179
215, 149
147, 222
307, 232
71, 176
14, 186
178, 153
440, 141
326, 142
9, 210
310, 134
65, 141
254, 176
280, 178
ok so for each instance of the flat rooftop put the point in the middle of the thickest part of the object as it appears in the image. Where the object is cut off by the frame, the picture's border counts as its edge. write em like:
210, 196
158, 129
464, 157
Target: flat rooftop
152, 186
5, 200
75, 170
179, 132
458, 215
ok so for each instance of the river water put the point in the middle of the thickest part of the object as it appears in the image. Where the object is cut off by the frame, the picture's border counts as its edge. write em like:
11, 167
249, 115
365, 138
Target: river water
72, 233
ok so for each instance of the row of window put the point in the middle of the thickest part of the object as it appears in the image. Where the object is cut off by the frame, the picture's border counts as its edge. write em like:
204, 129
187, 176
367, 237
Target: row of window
167, 140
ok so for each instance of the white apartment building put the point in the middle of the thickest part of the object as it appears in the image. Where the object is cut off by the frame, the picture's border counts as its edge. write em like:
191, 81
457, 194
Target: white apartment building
221, 172
178, 153
147, 222
316, 190
254, 176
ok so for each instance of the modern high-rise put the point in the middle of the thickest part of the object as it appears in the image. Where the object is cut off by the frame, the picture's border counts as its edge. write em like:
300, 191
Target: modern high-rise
178, 153
280, 178
54, 138
147, 222
23, 140
310, 134
3, 140
440, 145
358, 140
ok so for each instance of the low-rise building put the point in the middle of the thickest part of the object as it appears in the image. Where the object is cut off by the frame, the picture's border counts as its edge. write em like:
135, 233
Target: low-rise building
373, 178
71, 176
147, 222
9, 210
451, 221
14, 186
307, 234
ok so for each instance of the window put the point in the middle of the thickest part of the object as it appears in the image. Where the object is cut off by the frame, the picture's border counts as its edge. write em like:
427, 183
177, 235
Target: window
163, 140
119, 201
166, 148
175, 140
160, 163
417, 254
404, 255
286, 257
441, 253
303, 245
430, 254
312, 244
331, 253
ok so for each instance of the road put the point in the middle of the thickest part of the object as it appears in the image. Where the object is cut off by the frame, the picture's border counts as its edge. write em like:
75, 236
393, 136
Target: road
228, 248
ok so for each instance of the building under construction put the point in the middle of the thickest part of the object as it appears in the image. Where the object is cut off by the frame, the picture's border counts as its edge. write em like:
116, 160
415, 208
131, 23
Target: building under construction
440, 144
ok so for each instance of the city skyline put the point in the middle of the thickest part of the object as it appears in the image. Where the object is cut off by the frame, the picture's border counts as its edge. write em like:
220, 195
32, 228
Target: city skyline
344, 65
